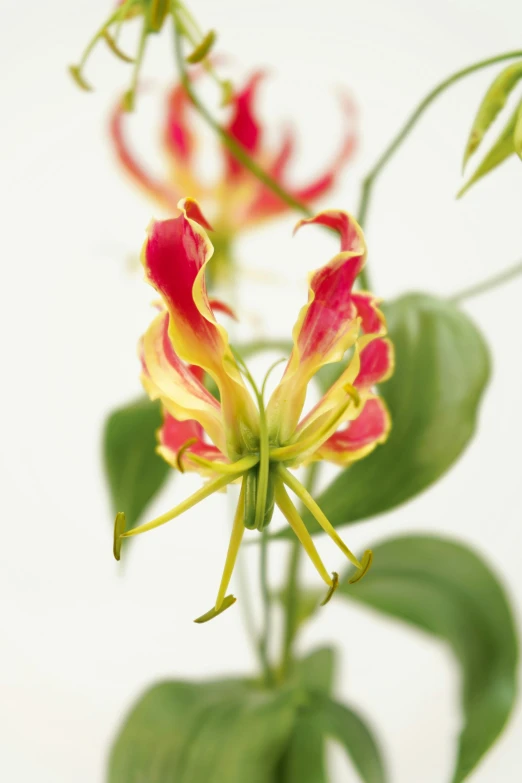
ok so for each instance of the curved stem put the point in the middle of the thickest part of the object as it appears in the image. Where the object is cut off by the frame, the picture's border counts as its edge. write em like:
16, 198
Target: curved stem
396, 142
488, 285
291, 595
265, 593
236, 149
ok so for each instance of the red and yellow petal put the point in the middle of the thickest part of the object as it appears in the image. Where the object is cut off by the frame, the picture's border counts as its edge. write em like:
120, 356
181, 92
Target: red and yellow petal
164, 193
323, 184
178, 137
244, 126
166, 377
175, 255
179, 439
327, 325
372, 318
265, 203
358, 437
371, 364
377, 362
262, 202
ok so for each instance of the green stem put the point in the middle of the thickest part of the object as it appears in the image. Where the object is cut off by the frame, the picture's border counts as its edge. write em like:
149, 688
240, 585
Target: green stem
265, 594
236, 149
488, 285
292, 588
396, 142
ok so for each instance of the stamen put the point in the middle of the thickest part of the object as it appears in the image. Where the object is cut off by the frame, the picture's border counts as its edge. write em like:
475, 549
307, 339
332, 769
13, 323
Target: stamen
226, 468
302, 493
294, 449
261, 488
333, 588
119, 529
181, 451
202, 49
76, 70
157, 14
115, 49
366, 561
229, 600
238, 529
213, 486
298, 526
128, 98
76, 73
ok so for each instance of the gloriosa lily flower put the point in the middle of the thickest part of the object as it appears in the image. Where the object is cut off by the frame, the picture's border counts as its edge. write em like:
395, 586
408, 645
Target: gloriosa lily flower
238, 200
237, 439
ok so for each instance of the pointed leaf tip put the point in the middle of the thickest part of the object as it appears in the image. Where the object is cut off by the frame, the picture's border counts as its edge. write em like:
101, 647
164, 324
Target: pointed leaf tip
491, 105
445, 589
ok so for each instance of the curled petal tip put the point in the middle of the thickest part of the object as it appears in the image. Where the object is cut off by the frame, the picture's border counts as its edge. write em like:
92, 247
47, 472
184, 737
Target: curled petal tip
366, 562
220, 307
193, 211
299, 224
226, 604
119, 530
333, 588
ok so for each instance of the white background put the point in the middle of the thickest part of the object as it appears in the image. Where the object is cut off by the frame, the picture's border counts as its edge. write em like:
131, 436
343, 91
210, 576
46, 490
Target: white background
80, 637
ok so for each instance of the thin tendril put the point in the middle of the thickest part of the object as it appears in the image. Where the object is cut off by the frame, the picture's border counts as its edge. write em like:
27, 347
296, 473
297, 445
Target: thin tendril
396, 142
488, 285
265, 593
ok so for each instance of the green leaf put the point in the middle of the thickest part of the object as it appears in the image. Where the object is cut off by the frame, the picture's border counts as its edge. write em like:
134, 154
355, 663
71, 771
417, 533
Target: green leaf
224, 732
502, 149
304, 760
320, 717
134, 471
493, 102
441, 370
316, 671
343, 724
444, 588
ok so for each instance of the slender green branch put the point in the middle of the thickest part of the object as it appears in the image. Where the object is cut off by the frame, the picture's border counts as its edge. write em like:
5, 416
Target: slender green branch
396, 142
291, 595
236, 149
265, 594
488, 285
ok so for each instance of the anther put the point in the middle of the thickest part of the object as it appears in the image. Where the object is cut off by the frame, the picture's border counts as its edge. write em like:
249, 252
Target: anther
366, 561
119, 529
226, 603
179, 465
333, 588
202, 49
